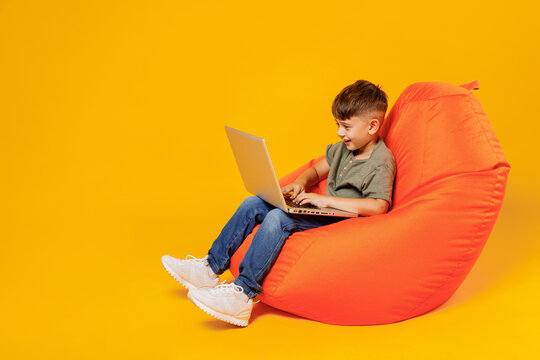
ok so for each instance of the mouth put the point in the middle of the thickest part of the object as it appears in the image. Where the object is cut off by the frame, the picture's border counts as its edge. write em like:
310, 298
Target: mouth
347, 142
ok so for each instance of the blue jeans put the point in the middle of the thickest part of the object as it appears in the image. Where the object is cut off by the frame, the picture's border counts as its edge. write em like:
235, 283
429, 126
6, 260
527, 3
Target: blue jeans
276, 226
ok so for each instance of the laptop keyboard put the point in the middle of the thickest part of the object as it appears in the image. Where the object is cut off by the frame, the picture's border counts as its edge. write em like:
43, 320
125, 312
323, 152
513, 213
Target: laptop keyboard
290, 203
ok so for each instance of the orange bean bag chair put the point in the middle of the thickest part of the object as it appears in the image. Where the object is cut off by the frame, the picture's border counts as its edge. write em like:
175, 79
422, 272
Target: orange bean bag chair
449, 187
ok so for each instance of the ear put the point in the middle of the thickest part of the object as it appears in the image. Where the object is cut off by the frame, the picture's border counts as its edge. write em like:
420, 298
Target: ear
373, 126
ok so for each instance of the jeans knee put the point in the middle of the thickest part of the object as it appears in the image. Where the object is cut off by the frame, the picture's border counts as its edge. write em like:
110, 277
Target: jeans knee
252, 202
276, 217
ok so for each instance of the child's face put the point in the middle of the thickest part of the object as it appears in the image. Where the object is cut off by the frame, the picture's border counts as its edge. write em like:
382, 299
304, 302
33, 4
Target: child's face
357, 131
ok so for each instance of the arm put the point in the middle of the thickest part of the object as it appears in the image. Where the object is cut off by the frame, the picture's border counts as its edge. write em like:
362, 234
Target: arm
363, 207
376, 188
314, 174
310, 176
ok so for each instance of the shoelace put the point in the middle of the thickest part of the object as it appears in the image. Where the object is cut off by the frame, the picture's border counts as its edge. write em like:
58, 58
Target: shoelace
227, 288
203, 260
223, 286
194, 259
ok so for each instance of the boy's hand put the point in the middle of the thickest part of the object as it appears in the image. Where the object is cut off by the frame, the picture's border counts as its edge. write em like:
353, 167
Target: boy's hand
293, 189
312, 198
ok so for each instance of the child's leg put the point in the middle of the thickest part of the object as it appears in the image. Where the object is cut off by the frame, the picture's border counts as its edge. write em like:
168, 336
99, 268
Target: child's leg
267, 244
251, 212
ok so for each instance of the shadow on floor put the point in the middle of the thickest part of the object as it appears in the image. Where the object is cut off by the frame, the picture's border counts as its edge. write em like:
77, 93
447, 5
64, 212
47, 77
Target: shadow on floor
259, 310
512, 245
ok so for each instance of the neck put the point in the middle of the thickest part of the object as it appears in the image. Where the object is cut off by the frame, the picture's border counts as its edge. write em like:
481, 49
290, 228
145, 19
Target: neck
366, 150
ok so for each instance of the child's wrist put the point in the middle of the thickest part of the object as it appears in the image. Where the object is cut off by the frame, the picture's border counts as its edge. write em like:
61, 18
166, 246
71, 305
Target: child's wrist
329, 201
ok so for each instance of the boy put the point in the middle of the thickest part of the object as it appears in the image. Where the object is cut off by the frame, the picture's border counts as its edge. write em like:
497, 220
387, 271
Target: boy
360, 171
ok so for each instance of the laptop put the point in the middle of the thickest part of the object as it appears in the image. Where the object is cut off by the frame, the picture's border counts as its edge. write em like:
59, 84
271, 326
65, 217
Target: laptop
260, 178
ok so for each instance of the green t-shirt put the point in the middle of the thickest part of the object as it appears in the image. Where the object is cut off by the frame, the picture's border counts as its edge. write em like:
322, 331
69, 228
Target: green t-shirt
366, 178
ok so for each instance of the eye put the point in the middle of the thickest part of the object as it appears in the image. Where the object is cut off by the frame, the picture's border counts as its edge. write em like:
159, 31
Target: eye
346, 127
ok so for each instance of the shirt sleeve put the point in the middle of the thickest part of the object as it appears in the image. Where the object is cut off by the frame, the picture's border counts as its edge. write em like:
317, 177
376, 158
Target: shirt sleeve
330, 152
379, 183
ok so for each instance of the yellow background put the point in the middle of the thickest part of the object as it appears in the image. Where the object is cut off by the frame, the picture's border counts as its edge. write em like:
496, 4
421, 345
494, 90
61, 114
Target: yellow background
112, 116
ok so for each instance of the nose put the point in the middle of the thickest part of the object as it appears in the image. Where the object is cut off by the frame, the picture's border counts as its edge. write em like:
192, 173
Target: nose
341, 132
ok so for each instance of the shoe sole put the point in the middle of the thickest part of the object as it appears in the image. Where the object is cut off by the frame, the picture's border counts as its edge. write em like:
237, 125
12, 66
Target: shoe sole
182, 282
217, 315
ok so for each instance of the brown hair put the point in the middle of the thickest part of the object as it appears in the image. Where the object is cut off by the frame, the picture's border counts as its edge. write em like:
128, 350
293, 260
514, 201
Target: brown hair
359, 98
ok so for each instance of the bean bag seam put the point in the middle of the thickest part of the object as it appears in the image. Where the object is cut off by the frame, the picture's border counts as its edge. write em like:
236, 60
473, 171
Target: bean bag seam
405, 201
432, 98
492, 146
473, 242
424, 144
449, 175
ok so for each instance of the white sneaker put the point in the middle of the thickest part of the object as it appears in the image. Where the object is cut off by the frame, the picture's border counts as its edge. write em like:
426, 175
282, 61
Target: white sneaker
226, 302
192, 272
